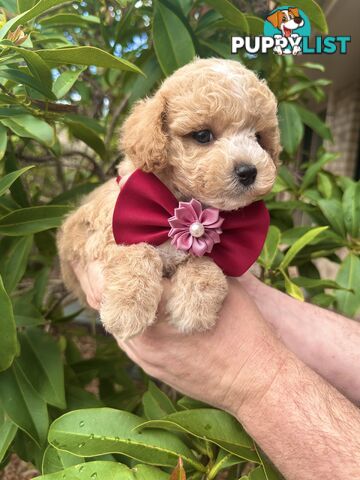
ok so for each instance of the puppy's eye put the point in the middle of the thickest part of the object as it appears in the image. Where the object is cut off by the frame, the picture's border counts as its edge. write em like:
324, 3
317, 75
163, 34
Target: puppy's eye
203, 136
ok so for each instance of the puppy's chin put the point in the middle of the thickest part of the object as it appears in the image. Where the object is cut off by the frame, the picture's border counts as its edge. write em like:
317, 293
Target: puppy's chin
241, 199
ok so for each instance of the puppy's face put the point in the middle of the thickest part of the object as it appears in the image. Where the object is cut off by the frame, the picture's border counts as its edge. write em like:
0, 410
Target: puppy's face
217, 139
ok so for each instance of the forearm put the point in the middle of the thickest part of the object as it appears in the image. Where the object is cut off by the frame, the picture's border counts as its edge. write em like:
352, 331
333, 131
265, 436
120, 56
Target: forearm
328, 343
306, 427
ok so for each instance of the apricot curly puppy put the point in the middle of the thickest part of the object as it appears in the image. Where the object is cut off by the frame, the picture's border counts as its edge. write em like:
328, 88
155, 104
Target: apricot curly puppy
210, 132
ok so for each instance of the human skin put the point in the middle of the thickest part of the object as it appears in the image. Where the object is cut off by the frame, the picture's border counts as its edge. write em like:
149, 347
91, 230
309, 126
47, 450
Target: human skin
306, 427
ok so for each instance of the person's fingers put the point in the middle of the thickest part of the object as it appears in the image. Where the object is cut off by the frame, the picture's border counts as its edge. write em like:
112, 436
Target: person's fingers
91, 281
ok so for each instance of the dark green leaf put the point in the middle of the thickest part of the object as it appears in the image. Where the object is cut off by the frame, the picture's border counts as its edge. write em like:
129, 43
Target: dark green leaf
291, 127
348, 277
312, 10
42, 365
21, 78
9, 179
14, 265
313, 121
156, 404
57, 460
8, 339
333, 212
22, 404
172, 41
8, 431
69, 19
351, 210
3, 141
230, 13
313, 169
26, 221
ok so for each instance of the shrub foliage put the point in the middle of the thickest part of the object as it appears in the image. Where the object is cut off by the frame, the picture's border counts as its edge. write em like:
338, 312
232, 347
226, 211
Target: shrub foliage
69, 72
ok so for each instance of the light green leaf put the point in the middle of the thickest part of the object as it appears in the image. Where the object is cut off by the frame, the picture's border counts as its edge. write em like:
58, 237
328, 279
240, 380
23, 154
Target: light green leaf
291, 288
3, 141
314, 168
313, 121
107, 471
85, 56
65, 82
92, 432
14, 265
310, 283
325, 185
31, 127
156, 404
8, 339
270, 248
351, 210
42, 365
56, 460
348, 277
313, 10
215, 425
24, 5
9, 179
172, 42
7, 433
291, 127
332, 210
69, 19
230, 13
22, 404
299, 245
24, 17
223, 460
26, 221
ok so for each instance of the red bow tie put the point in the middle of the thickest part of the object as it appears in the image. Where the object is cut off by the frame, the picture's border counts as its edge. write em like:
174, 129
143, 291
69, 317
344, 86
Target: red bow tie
146, 211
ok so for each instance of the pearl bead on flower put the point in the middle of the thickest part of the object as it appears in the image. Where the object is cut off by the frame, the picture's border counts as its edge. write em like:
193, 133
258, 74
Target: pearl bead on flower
197, 229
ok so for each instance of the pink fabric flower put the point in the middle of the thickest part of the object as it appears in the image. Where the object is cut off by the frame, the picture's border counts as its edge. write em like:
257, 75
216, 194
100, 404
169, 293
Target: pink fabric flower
195, 229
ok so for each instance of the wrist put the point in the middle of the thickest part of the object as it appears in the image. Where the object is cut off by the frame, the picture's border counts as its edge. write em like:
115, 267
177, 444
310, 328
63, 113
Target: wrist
257, 375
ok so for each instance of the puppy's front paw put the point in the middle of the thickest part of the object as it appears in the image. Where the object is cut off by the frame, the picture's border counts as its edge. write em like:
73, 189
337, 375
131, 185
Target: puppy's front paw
132, 290
199, 289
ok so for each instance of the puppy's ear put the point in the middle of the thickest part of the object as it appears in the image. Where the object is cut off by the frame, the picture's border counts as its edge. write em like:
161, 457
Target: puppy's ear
274, 19
144, 137
294, 11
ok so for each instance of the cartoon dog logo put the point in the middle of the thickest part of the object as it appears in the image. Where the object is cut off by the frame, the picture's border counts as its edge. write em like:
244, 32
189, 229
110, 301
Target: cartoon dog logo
286, 20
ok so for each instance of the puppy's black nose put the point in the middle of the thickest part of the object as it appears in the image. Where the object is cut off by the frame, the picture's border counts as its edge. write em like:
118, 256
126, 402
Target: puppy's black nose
246, 174
298, 20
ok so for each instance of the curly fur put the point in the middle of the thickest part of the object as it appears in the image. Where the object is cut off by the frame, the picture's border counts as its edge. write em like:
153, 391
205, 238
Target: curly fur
228, 99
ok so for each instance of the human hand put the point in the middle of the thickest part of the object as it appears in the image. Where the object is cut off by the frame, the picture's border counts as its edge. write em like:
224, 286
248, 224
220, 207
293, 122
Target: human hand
216, 366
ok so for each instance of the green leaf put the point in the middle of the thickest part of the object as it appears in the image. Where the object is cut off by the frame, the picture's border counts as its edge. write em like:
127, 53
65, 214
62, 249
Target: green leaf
26, 221
313, 121
107, 471
87, 135
230, 13
215, 425
256, 25
299, 245
312, 10
325, 185
42, 365
74, 194
57, 460
19, 77
291, 127
351, 209
39, 8
314, 168
348, 277
333, 212
172, 41
156, 404
8, 339
14, 265
65, 82
31, 127
223, 460
86, 56
7, 434
310, 283
3, 141
323, 300
92, 432
270, 248
141, 86
22, 404
69, 19
9, 179
291, 288
37, 67
24, 5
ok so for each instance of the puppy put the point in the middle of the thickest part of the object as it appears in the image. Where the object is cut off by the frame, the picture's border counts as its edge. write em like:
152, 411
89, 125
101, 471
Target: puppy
208, 119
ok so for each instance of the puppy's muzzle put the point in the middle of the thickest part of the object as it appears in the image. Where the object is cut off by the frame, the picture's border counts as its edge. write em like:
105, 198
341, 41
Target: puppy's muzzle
246, 174
298, 20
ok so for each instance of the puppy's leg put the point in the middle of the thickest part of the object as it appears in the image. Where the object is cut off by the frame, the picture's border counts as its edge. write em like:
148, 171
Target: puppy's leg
198, 291
133, 288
